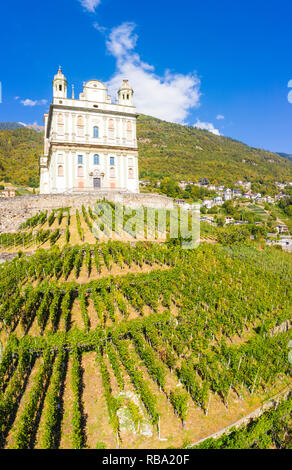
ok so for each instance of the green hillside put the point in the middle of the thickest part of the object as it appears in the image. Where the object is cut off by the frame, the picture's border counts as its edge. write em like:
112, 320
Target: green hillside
168, 149
165, 149
19, 156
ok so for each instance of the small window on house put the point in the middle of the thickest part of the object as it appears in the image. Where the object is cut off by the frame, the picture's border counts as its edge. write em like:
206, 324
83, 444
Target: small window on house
95, 132
60, 170
80, 159
80, 171
96, 159
112, 161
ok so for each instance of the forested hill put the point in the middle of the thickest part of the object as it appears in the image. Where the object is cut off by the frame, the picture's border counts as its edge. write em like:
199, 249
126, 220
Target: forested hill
20, 150
168, 149
165, 149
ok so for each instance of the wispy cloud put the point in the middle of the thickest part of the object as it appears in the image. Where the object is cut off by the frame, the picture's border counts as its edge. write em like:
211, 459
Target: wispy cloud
29, 102
99, 28
90, 5
220, 117
207, 126
170, 96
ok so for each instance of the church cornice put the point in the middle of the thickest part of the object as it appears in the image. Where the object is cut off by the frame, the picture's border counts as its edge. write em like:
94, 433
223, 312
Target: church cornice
81, 146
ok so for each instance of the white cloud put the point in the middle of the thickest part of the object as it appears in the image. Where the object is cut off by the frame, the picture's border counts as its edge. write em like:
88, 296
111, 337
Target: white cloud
31, 103
207, 126
170, 96
290, 84
90, 5
220, 117
99, 28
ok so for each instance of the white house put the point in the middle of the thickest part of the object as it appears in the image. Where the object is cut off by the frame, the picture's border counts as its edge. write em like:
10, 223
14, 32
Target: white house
90, 143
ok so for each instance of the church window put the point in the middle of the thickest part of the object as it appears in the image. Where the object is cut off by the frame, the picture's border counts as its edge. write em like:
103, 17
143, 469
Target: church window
60, 119
80, 159
95, 132
80, 171
60, 124
96, 159
60, 170
60, 87
80, 121
80, 126
112, 161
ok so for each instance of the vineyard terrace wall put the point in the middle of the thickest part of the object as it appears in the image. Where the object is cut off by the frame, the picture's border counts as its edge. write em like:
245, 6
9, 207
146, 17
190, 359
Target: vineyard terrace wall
15, 211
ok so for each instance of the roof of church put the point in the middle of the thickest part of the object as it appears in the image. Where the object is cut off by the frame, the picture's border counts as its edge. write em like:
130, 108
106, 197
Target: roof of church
125, 85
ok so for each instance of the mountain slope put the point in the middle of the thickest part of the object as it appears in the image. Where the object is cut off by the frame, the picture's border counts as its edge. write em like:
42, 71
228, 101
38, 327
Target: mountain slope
285, 155
19, 156
10, 126
165, 149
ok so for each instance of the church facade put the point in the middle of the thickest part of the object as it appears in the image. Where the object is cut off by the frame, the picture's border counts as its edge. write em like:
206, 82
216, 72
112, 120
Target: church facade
90, 143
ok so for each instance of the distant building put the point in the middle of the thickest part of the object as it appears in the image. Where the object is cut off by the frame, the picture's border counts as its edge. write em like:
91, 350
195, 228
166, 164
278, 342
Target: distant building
8, 193
207, 203
282, 229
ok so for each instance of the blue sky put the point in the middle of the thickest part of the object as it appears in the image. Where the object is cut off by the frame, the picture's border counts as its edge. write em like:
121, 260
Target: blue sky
224, 66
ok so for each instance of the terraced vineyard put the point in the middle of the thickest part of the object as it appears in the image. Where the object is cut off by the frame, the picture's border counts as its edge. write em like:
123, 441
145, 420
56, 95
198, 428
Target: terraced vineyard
135, 344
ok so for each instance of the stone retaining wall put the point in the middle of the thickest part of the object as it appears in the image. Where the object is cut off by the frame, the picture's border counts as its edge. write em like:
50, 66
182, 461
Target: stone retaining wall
272, 403
14, 211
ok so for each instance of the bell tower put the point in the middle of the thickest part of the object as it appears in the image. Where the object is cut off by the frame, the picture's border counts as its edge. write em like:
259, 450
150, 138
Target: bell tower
59, 85
125, 94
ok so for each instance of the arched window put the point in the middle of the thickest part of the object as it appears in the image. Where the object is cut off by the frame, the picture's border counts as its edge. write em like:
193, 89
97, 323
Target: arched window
131, 173
60, 124
129, 126
60, 119
60, 170
80, 121
112, 172
80, 171
111, 124
96, 159
95, 132
80, 126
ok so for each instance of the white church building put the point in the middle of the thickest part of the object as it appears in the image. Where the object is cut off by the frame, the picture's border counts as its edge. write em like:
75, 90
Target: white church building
90, 144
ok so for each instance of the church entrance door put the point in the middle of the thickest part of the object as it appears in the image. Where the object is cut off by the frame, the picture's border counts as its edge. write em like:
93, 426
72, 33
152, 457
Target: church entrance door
96, 183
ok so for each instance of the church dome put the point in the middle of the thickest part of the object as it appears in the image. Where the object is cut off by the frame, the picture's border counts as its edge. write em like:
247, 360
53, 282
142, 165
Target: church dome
125, 86
59, 75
